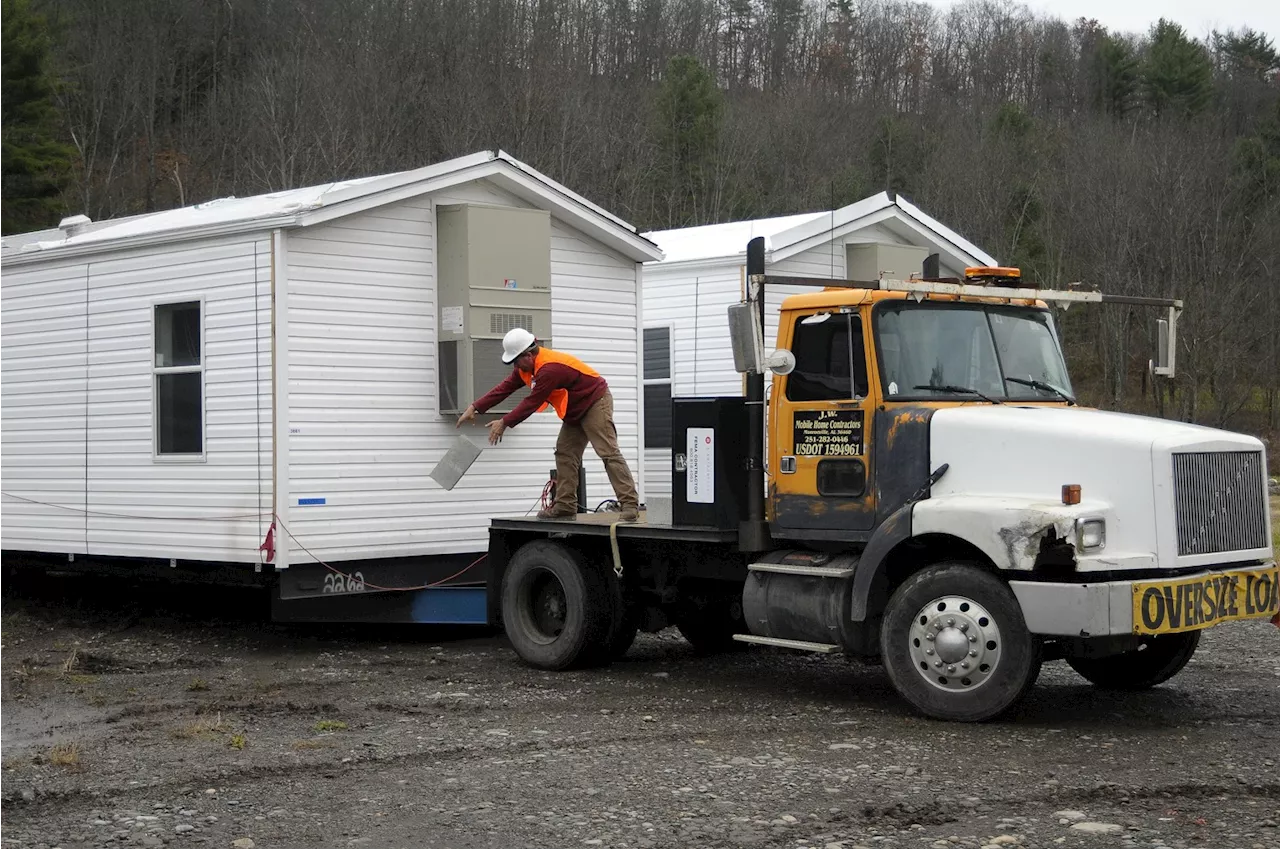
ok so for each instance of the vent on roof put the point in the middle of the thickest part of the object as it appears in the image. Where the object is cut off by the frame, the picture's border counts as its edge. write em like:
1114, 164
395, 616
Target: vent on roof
74, 224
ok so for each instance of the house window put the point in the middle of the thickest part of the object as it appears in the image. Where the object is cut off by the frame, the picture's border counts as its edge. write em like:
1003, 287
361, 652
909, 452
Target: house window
179, 379
657, 387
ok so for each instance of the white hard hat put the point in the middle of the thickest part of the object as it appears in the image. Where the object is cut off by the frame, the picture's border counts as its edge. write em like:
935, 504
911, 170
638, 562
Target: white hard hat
516, 342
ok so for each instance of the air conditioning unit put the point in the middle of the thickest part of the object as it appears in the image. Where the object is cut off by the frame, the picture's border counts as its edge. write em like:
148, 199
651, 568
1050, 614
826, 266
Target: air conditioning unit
866, 261
494, 274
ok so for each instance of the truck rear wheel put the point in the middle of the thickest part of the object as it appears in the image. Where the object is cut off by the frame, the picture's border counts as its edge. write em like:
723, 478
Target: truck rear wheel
1154, 661
556, 609
955, 644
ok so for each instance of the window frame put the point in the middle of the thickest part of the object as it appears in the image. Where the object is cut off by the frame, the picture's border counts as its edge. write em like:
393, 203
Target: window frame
158, 371
983, 308
850, 317
669, 380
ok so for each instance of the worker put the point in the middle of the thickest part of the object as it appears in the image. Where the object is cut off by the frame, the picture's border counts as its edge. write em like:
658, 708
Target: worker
584, 403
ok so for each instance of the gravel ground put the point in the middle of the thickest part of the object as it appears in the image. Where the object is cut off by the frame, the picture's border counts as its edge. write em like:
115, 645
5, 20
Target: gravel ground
161, 716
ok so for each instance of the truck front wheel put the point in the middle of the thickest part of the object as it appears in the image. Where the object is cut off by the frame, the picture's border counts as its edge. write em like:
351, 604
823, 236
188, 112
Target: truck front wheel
1154, 661
955, 644
556, 609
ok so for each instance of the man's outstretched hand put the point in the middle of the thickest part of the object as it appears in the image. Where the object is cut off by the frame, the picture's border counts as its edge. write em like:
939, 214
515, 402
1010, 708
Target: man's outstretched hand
496, 429
468, 415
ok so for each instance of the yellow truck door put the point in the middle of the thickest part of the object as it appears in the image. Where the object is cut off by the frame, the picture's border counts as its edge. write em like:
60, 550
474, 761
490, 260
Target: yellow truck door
820, 420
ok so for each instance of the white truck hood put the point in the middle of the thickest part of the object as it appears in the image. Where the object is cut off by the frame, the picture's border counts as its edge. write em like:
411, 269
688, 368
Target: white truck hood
1123, 464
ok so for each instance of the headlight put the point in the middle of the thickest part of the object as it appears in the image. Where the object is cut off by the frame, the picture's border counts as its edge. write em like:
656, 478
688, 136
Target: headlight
1091, 534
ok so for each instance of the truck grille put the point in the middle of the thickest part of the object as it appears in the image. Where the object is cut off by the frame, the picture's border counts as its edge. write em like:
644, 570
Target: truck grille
1218, 501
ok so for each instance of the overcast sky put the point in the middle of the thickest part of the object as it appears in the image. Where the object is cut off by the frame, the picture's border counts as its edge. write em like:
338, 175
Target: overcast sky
1197, 17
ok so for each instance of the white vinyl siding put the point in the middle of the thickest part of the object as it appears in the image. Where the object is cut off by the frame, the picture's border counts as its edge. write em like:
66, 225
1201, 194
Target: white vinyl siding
43, 380
128, 504
363, 422
694, 304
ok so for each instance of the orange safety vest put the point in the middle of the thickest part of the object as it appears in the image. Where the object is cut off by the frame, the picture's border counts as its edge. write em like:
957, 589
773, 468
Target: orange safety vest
559, 397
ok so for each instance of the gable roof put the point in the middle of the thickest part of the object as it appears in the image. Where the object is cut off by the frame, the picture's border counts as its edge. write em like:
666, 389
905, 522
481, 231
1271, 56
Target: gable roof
789, 235
316, 204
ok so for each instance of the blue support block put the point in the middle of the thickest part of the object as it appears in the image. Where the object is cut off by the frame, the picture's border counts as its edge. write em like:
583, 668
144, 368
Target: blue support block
451, 606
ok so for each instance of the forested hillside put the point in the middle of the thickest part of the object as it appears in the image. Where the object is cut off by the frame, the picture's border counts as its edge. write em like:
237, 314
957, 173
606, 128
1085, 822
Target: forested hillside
1144, 163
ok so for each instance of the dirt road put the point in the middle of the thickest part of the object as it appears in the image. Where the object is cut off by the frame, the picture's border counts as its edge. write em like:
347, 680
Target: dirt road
151, 716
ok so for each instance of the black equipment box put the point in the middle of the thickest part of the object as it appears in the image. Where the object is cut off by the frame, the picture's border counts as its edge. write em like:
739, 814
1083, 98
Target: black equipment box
708, 461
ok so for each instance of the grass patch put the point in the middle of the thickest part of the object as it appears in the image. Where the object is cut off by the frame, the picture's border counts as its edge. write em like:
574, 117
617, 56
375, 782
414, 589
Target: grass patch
82, 679
331, 725
201, 729
237, 741
197, 685
65, 754
70, 663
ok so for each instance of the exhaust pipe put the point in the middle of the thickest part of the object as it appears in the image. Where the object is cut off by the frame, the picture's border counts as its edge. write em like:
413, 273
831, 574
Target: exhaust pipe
753, 533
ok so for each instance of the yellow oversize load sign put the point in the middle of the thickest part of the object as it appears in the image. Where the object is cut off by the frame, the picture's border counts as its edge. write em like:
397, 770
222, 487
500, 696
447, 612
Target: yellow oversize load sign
1190, 604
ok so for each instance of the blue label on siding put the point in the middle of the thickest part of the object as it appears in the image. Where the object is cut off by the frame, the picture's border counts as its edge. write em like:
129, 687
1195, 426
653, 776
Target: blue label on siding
303, 502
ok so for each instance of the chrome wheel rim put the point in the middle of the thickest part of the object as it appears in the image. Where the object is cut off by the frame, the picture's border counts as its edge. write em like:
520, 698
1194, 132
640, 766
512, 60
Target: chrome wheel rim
955, 643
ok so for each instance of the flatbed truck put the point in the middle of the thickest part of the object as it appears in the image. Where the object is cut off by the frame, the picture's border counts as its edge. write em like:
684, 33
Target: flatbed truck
934, 500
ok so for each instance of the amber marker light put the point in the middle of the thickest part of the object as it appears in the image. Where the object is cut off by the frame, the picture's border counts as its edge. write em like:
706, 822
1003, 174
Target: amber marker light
1071, 493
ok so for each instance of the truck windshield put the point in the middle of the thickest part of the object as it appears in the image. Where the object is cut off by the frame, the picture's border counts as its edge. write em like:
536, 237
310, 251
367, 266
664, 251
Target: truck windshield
1004, 353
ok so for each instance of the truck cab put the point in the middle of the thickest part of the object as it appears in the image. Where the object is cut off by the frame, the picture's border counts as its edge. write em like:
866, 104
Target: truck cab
871, 366
996, 523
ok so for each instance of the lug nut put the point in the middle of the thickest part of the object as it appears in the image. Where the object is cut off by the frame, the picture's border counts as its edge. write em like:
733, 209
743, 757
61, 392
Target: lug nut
951, 669
973, 652
964, 626
928, 651
964, 665
972, 638
951, 623
929, 637
938, 664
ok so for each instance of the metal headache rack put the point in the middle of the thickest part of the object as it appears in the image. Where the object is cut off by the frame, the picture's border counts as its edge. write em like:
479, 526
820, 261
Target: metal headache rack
1000, 282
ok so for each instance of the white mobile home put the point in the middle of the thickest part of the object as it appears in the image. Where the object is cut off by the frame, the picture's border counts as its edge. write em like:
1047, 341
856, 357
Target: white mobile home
172, 381
687, 293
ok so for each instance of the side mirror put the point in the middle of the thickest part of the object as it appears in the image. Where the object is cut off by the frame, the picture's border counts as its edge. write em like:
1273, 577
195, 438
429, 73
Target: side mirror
781, 362
747, 339
1164, 364
1162, 344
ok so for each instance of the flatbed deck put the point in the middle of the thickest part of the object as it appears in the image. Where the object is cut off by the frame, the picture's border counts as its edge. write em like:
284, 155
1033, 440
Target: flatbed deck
597, 524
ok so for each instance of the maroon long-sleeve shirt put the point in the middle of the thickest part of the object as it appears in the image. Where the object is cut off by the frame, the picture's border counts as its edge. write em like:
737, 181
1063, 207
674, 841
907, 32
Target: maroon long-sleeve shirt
553, 371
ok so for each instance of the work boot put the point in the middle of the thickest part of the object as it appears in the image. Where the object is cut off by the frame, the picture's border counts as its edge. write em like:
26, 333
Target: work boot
630, 513
556, 513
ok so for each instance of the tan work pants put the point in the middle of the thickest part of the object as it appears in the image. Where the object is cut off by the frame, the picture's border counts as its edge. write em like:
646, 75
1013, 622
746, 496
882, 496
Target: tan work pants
597, 428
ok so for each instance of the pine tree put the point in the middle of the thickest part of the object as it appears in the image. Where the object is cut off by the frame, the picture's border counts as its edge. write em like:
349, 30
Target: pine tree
1115, 76
1248, 54
1177, 74
690, 111
36, 164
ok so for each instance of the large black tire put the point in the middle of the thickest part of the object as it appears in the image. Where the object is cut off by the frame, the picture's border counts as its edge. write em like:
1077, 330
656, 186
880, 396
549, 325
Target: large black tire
710, 627
970, 622
556, 609
1156, 660
625, 629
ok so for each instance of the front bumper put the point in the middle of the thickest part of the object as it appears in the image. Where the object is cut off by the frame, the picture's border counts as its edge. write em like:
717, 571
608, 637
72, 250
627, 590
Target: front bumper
1153, 606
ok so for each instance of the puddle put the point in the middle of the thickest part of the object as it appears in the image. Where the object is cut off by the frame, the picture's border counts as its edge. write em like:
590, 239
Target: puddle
28, 724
